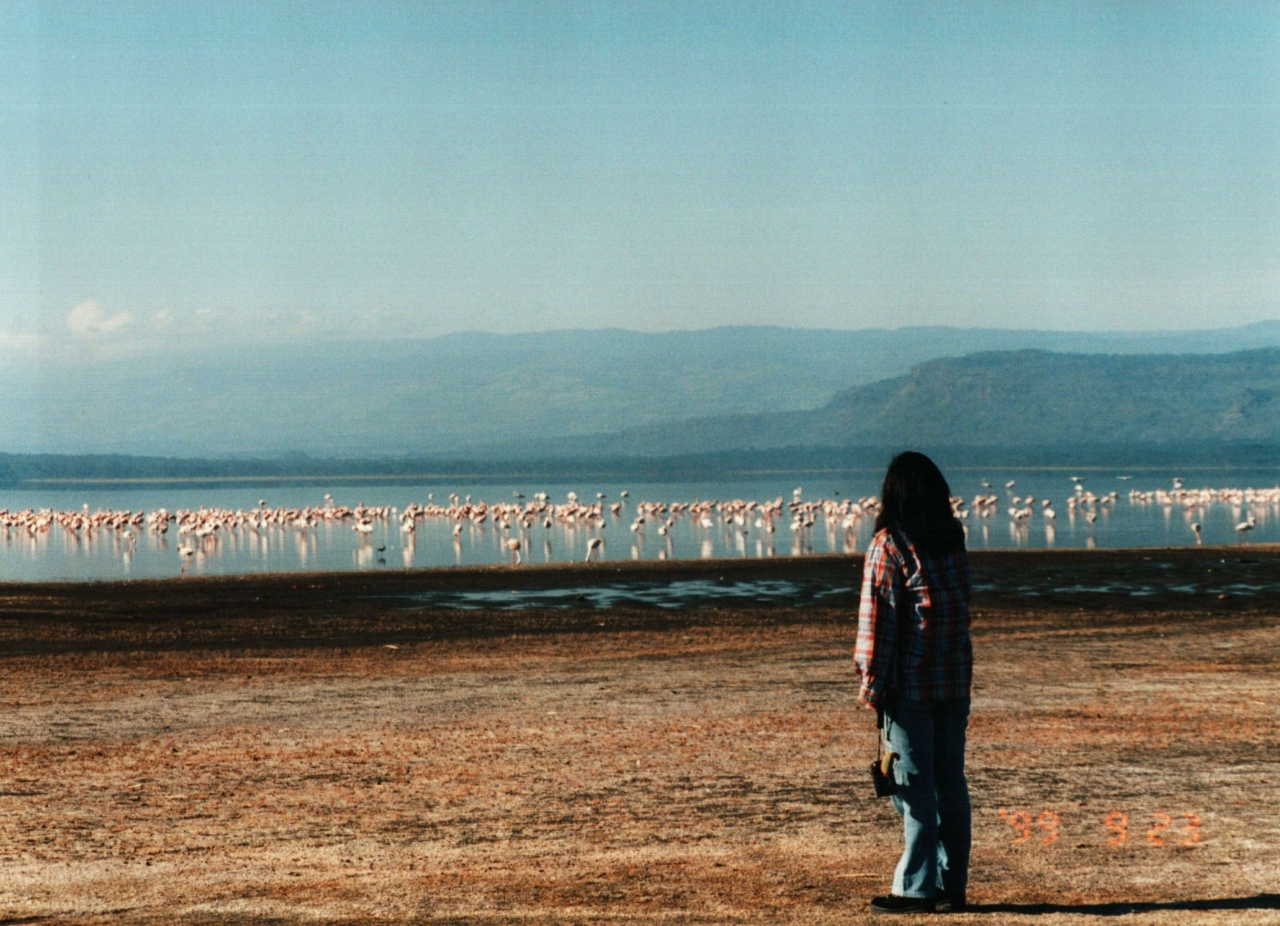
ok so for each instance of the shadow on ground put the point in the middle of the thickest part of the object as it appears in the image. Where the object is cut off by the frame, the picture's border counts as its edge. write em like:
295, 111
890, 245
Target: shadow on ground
1120, 908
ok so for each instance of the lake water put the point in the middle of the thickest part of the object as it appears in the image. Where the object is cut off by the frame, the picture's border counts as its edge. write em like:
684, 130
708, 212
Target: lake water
115, 553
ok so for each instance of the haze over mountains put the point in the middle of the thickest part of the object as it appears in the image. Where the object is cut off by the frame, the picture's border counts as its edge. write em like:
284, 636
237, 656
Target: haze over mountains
1013, 399
625, 392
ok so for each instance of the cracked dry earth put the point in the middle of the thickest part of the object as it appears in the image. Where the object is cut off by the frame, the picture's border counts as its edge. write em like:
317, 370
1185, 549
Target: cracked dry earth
1124, 764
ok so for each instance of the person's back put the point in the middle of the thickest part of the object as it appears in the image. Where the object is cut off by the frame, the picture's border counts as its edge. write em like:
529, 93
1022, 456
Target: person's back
913, 621
915, 659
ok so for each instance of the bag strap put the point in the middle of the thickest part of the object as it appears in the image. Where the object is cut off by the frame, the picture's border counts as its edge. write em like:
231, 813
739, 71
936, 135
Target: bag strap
900, 542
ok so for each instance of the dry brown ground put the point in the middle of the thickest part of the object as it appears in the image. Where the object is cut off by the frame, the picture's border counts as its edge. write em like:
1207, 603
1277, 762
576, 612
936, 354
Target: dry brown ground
189, 763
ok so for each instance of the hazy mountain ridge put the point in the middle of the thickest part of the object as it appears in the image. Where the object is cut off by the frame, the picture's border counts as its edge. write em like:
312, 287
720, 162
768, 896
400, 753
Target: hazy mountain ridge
1015, 399
479, 394
1007, 407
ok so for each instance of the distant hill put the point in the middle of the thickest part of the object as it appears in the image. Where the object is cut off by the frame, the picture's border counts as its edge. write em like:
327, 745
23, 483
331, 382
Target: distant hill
1014, 399
1024, 407
490, 395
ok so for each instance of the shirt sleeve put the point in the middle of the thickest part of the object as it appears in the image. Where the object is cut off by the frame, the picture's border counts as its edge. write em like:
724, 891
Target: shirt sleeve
877, 621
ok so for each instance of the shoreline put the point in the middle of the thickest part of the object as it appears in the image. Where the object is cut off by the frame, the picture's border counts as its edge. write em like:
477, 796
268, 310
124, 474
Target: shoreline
361, 609
534, 574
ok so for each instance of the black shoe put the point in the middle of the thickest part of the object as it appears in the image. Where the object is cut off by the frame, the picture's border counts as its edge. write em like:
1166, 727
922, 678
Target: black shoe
945, 903
892, 903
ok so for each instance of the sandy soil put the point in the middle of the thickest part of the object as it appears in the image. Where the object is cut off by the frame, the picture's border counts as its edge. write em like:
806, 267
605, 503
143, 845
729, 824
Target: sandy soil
248, 751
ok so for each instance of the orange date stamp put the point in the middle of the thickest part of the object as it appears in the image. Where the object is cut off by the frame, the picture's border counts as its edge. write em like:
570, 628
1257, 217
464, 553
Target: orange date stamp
1166, 829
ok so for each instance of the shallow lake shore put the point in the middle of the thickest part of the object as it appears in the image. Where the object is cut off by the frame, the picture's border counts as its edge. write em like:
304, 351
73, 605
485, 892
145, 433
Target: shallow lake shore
336, 748
339, 609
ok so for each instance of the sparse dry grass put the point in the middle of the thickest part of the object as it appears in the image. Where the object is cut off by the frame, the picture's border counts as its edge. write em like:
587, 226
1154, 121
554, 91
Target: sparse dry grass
690, 774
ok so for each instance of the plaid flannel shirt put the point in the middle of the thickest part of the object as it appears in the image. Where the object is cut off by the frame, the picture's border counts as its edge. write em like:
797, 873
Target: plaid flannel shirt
915, 610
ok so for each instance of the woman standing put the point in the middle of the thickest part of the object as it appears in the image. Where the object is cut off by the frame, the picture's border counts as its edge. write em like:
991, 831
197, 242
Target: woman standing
915, 660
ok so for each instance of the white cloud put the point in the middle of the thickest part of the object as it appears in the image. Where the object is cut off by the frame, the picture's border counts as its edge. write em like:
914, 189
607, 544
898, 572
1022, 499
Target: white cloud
87, 320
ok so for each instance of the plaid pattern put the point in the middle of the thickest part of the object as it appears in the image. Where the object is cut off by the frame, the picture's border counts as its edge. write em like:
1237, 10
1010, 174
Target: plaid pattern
916, 607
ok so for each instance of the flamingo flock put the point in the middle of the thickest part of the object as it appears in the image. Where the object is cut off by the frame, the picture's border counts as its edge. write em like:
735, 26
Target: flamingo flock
201, 531
518, 519
516, 524
1245, 504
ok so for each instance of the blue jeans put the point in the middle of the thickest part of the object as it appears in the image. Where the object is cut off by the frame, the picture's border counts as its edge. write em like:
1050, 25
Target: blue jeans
933, 796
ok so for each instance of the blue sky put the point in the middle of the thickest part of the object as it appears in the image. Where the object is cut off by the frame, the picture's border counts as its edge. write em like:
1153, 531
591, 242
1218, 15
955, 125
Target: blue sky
263, 171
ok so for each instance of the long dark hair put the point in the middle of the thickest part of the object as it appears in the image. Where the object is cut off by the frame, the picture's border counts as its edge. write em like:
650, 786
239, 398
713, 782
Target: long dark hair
916, 500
